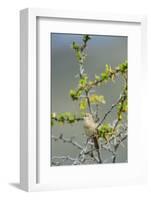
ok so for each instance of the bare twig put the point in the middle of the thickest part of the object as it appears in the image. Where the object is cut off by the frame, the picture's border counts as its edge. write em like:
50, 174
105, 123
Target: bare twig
97, 113
83, 151
108, 112
88, 101
116, 147
121, 98
67, 140
63, 158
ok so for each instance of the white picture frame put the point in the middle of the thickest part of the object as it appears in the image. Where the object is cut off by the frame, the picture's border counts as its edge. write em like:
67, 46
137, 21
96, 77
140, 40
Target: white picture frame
30, 168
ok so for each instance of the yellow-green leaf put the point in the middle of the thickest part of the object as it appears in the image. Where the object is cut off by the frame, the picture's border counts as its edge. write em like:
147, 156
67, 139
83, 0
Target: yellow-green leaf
95, 99
83, 104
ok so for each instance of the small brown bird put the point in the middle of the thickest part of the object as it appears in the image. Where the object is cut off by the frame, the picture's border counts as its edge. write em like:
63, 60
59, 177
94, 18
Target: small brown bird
90, 129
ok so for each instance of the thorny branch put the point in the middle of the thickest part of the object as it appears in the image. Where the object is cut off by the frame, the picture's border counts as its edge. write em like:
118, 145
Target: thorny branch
88, 149
81, 157
107, 113
122, 97
67, 140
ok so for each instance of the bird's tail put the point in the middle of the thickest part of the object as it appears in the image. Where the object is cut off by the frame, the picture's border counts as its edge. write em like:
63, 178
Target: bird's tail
96, 144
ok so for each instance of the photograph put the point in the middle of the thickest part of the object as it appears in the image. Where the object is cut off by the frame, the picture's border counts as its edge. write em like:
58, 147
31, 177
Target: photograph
89, 99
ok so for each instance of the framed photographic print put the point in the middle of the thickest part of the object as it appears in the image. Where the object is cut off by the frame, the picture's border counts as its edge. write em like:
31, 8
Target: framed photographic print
82, 79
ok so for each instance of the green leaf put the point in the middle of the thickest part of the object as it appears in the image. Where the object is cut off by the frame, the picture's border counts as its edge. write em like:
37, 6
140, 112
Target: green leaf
61, 117
83, 81
71, 119
86, 38
104, 76
105, 131
125, 106
73, 94
75, 46
120, 116
95, 99
123, 67
97, 78
107, 67
83, 104
52, 122
53, 115
78, 55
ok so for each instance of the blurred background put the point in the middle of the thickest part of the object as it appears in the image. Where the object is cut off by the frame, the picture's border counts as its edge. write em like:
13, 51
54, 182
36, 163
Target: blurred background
101, 50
